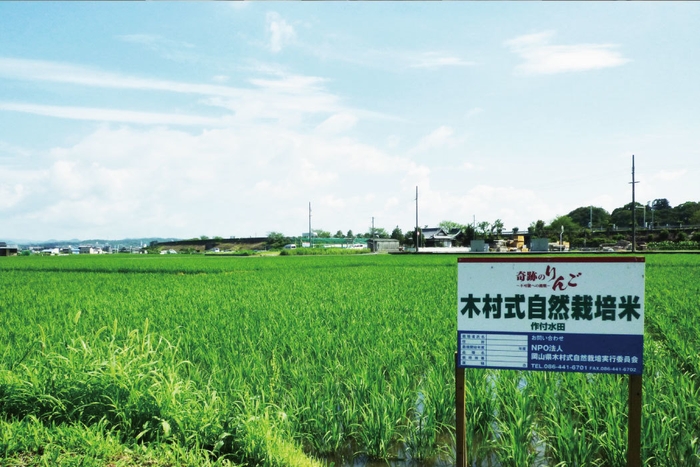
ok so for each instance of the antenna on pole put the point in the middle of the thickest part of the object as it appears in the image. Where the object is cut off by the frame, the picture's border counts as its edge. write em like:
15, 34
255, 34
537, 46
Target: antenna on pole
634, 211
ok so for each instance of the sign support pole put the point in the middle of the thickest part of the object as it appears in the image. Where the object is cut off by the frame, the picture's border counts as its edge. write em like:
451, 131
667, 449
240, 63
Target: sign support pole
460, 432
634, 422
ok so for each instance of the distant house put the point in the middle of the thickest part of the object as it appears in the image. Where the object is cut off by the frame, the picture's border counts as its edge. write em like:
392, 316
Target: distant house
8, 250
439, 237
90, 250
382, 244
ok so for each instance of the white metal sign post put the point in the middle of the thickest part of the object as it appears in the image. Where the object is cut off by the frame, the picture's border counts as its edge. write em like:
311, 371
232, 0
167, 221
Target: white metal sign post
579, 314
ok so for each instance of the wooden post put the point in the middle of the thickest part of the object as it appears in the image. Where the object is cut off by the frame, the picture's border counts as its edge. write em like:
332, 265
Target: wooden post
634, 422
461, 435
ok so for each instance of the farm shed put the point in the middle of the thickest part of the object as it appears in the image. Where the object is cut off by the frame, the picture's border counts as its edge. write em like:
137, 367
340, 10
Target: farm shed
479, 246
382, 244
8, 250
539, 244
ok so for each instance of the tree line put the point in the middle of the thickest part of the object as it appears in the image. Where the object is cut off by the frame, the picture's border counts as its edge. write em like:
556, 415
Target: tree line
585, 225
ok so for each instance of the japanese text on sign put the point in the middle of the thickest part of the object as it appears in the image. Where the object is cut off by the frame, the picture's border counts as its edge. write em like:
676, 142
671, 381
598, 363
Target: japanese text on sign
595, 306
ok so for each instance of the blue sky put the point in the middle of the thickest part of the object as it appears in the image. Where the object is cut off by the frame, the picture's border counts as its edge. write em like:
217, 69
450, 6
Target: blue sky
185, 119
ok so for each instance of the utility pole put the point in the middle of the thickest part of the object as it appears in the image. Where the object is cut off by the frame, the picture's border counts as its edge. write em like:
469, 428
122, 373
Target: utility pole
634, 211
372, 234
417, 233
311, 242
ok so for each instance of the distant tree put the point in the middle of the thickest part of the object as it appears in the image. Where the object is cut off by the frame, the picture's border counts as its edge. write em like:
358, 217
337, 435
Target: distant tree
683, 213
218, 238
350, 234
622, 217
515, 231
397, 235
276, 240
663, 213
582, 216
695, 218
322, 233
408, 238
450, 225
497, 227
339, 234
204, 237
537, 229
564, 221
571, 228
469, 235
482, 228
380, 232
660, 204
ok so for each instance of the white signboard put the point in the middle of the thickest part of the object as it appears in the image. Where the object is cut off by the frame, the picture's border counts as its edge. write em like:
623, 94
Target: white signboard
582, 314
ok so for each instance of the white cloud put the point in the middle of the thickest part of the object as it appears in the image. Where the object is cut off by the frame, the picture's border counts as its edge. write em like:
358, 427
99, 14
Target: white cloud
110, 115
473, 112
152, 41
287, 97
486, 203
436, 60
13, 150
280, 33
669, 175
40, 70
337, 123
539, 57
10, 195
166, 48
440, 137
393, 141
126, 181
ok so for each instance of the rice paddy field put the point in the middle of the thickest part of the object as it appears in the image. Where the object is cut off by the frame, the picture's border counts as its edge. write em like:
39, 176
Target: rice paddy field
126, 360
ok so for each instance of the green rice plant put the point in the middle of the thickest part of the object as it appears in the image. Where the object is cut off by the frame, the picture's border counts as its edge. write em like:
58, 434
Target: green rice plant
515, 425
256, 437
481, 410
423, 429
431, 420
30, 442
134, 386
377, 431
670, 433
606, 408
342, 345
324, 251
